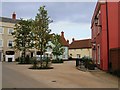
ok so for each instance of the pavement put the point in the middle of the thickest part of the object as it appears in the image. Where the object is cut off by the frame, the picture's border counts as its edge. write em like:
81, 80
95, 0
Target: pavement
62, 76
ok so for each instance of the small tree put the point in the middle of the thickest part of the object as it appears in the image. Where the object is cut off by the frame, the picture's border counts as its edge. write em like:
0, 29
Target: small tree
57, 48
22, 34
42, 31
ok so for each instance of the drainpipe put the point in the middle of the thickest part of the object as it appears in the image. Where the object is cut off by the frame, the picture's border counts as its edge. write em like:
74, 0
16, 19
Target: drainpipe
107, 33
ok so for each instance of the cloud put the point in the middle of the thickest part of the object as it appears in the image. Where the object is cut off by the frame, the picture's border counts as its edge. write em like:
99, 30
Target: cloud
74, 18
75, 11
72, 29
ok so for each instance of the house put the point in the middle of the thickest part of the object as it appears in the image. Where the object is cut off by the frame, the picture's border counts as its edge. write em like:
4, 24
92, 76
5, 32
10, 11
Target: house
80, 48
6, 38
105, 35
7, 41
65, 45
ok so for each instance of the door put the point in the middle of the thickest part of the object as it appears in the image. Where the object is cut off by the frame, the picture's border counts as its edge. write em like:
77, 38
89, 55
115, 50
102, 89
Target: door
31, 54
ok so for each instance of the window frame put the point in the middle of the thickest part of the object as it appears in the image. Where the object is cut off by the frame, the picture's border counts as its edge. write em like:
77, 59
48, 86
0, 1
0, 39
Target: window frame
9, 31
2, 30
8, 43
2, 43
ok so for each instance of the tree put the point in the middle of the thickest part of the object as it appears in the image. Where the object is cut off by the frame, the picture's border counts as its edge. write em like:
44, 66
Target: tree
23, 36
57, 48
42, 31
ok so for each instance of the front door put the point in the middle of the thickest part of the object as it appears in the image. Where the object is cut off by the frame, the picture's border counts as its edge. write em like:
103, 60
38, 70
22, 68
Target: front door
31, 54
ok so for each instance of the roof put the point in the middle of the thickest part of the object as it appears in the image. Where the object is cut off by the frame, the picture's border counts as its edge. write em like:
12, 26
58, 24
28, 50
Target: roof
9, 20
80, 44
63, 40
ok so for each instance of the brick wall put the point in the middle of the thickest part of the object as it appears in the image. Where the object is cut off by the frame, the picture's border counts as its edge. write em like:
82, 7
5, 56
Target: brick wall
115, 59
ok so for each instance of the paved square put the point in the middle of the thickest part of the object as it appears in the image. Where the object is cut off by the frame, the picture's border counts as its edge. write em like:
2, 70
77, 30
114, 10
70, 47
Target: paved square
62, 76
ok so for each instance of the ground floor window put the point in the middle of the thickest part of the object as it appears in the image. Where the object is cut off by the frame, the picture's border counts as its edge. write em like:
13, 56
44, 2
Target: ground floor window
10, 52
98, 54
78, 55
0, 56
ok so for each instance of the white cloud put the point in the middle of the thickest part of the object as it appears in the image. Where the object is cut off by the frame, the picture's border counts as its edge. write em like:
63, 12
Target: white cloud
49, 0
72, 29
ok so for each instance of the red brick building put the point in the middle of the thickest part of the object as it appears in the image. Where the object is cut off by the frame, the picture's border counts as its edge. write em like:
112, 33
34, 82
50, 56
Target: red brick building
105, 26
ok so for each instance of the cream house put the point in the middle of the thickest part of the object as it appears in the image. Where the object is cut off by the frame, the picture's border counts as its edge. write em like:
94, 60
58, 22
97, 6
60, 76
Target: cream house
6, 38
7, 41
80, 48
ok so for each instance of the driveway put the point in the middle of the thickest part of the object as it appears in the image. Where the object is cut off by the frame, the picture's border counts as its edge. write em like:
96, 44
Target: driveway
62, 76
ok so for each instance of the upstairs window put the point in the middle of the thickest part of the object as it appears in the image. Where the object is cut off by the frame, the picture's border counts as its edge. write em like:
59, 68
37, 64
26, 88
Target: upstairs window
10, 31
1, 43
10, 43
1, 30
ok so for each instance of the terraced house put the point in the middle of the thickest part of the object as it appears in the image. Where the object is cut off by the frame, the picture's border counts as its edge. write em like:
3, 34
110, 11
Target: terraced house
6, 38
7, 41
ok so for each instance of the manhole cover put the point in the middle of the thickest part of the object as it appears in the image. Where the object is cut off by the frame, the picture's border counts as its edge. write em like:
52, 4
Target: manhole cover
53, 81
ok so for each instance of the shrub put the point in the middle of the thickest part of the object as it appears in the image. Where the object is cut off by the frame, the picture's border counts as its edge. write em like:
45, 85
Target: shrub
26, 60
44, 64
57, 61
17, 59
88, 63
34, 62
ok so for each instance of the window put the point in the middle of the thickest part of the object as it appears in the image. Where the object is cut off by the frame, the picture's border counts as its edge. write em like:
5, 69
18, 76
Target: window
78, 55
1, 30
98, 54
10, 31
1, 43
10, 43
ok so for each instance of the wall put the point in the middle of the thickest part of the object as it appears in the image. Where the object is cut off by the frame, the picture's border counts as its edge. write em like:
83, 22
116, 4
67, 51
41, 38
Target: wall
119, 24
7, 37
113, 24
82, 52
104, 39
65, 54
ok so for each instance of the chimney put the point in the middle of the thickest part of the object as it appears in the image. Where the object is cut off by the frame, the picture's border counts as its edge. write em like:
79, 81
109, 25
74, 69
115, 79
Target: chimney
68, 41
73, 39
13, 16
62, 33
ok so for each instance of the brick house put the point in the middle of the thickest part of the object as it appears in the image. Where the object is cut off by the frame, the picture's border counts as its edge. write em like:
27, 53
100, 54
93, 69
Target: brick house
105, 35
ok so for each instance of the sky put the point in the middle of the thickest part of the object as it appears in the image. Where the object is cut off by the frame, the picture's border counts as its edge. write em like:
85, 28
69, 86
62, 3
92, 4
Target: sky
73, 18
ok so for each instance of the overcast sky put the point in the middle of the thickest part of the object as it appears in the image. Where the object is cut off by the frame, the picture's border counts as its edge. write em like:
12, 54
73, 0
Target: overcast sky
74, 18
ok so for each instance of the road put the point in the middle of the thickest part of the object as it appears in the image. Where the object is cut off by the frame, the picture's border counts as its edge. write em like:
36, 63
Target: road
62, 76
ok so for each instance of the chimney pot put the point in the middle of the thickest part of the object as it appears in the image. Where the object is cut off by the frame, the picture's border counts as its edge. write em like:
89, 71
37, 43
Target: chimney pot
62, 33
68, 41
73, 39
14, 16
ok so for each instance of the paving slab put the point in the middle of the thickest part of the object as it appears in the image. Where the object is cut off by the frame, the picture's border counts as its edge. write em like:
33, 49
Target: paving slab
62, 76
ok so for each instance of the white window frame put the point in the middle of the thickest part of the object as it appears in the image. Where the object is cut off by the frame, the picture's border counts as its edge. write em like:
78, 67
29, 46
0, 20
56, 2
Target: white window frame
2, 43
2, 30
9, 30
98, 54
8, 43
